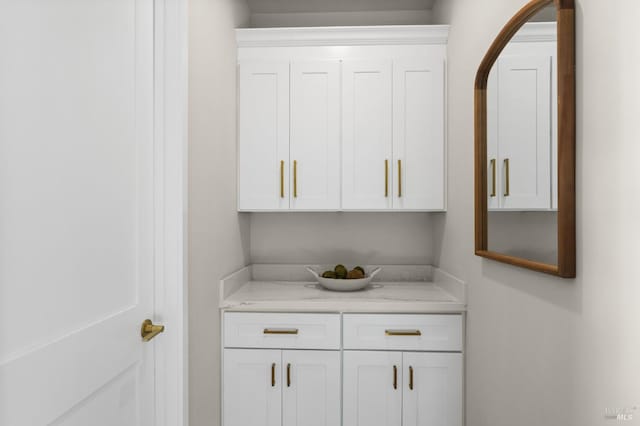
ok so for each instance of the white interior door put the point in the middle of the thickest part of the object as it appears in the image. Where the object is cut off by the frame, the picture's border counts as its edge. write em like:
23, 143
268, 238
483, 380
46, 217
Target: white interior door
311, 388
524, 131
418, 133
367, 178
76, 212
252, 387
315, 135
372, 388
264, 136
432, 392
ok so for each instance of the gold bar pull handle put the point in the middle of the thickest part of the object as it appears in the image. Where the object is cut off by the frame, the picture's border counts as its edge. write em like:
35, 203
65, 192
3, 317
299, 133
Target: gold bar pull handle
403, 333
295, 179
273, 375
399, 178
395, 377
506, 172
149, 330
493, 177
281, 179
386, 178
289, 375
280, 331
410, 378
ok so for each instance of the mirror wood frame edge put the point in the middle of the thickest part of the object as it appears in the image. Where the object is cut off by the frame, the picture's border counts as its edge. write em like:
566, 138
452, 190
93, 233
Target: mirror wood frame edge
566, 241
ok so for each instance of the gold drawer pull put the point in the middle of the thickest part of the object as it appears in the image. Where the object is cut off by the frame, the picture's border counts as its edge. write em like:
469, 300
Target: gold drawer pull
410, 378
386, 178
399, 178
403, 333
295, 179
395, 377
289, 375
493, 178
506, 171
281, 179
280, 331
273, 375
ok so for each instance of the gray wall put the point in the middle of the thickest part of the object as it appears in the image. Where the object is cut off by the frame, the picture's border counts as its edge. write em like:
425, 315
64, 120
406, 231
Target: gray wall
350, 238
218, 236
317, 19
543, 350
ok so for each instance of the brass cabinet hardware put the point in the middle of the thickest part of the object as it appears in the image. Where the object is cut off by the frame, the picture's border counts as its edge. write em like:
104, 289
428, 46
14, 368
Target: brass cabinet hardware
148, 330
273, 375
506, 172
410, 378
493, 177
399, 178
386, 178
281, 179
295, 179
403, 333
280, 331
288, 375
395, 377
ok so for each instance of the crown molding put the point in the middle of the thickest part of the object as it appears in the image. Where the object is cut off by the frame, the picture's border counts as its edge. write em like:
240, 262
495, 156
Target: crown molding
342, 36
536, 31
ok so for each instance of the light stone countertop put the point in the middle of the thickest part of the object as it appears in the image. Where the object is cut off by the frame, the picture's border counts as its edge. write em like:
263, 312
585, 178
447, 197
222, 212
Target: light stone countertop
288, 288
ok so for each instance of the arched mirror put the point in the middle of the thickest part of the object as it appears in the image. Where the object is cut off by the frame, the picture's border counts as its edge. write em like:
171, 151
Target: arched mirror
525, 142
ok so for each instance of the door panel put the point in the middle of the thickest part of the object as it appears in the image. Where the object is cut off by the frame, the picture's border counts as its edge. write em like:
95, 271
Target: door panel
264, 136
252, 395
366, 135
76, 212
315, 135
369, 395
311, 388
433, 397
418, 133
524, 131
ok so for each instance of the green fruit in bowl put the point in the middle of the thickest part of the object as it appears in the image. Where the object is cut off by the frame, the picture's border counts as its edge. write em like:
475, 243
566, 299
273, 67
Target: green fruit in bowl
361, 269
329, 274
341, 272
355, 274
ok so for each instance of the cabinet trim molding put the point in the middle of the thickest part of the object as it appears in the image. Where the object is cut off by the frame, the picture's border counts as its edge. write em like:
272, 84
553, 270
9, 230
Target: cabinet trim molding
343, 36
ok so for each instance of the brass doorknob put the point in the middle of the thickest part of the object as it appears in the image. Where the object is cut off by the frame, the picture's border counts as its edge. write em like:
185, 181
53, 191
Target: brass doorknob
148, 330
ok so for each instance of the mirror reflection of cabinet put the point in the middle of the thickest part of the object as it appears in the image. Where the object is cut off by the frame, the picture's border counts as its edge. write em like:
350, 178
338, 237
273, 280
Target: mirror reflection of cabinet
522, 122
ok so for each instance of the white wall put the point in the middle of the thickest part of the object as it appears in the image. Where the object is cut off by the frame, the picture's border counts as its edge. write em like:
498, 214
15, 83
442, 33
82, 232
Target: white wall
218, 236
318, 19
543, 350
350, 238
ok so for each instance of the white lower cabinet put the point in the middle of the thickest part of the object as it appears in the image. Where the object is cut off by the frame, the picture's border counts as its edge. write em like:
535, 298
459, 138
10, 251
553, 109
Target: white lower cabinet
287, 369
372, 390
281, 388
402, 388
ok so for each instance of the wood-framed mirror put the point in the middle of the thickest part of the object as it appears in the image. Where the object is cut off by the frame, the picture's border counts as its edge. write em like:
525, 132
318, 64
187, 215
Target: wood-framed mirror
525, 142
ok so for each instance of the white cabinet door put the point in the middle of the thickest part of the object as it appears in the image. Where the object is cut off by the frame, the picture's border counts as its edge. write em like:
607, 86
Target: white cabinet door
432, 392
252, 387
315, 135
372, 388
418, 133
493, 177
263, 180
367, 135
524, 131
311, 388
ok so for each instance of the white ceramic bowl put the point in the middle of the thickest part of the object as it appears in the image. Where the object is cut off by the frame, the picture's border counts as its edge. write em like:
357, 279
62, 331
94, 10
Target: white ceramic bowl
343, 285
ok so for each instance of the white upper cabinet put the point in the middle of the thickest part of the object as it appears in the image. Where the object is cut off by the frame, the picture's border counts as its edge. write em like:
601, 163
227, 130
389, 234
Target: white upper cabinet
349, 118
418, 133
522, 125
367, 152
263, 177
315, 135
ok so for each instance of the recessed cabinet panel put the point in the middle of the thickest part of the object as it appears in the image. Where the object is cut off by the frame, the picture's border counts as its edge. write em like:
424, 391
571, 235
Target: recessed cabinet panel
264, 136
367, 135
418, 133
372, 389
524, 132
252, 387
311, 388
315, 135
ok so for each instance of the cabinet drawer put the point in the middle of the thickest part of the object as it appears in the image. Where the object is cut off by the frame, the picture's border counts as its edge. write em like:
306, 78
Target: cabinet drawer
283, 331
403, 332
